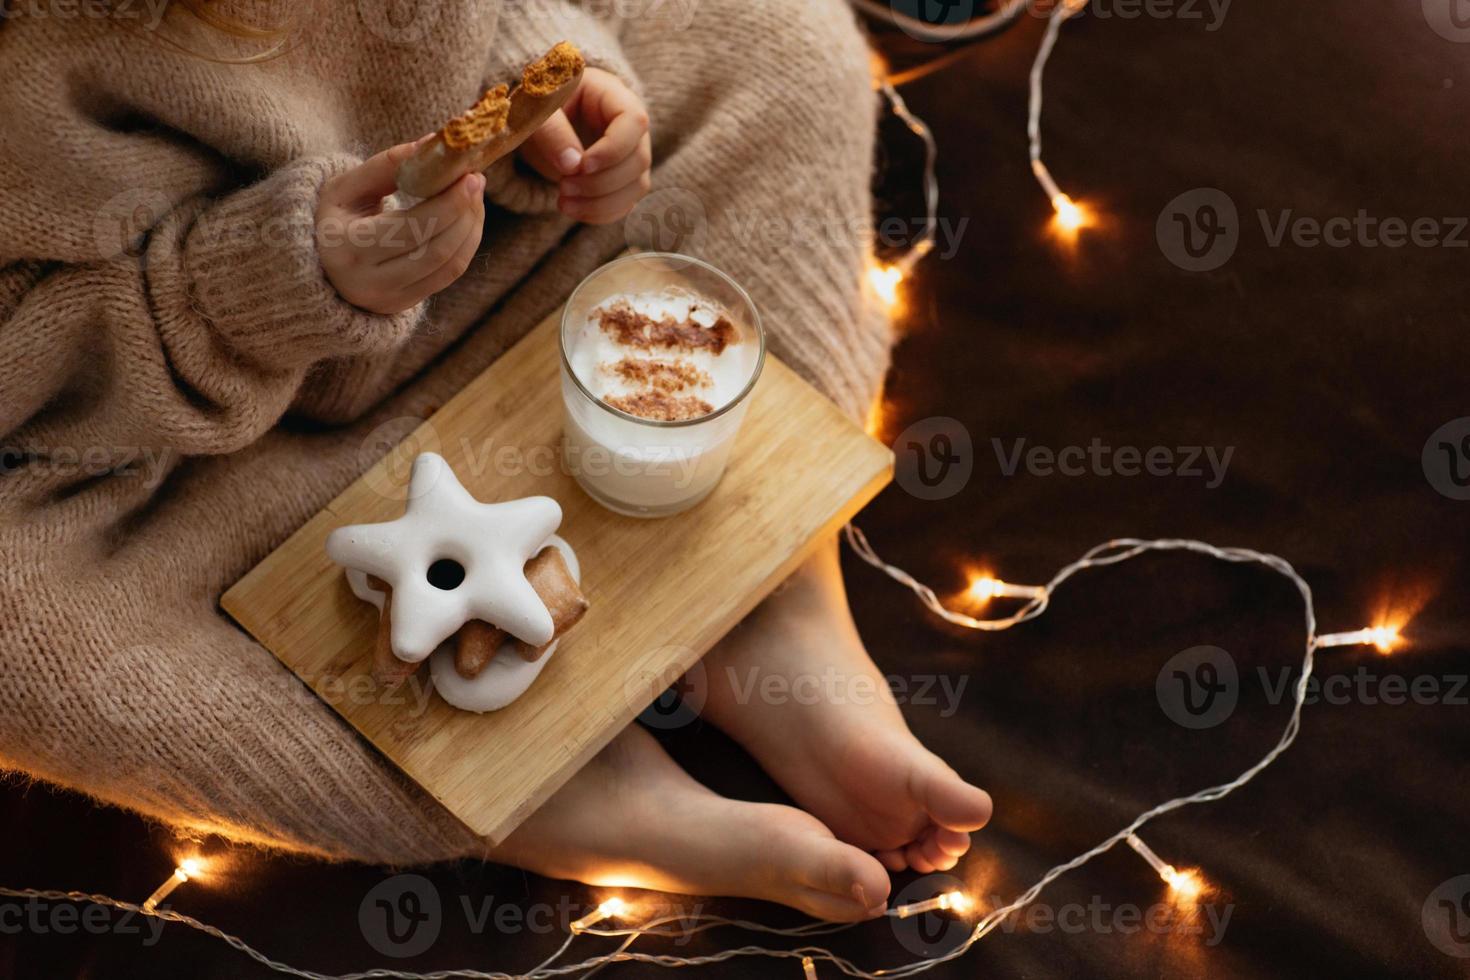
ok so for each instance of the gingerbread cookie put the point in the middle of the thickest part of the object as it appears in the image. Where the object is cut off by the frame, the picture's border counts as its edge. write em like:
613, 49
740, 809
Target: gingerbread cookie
454, 574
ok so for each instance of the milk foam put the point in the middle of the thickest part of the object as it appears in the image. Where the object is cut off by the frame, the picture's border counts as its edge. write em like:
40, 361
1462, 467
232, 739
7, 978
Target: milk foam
715, 378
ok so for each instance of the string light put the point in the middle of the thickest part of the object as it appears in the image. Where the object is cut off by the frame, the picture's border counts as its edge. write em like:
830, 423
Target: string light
953, 901
808, 968
1040, 596
983, 588
1384, 638
188, 868
886, 277
1070, 217
885, 280
1185, 885
612, 908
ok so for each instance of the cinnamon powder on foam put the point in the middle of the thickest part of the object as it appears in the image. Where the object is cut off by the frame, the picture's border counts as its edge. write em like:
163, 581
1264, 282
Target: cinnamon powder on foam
665, 383
633, 329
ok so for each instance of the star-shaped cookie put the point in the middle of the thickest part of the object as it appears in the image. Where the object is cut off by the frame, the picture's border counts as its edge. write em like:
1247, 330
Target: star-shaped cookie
451, 559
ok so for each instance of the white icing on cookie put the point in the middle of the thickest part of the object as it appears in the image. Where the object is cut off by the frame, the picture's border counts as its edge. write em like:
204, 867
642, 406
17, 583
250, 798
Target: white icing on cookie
508, 674
491, 543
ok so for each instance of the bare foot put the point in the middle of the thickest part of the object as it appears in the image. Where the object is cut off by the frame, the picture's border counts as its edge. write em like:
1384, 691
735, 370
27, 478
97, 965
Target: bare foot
830, 738
632, 818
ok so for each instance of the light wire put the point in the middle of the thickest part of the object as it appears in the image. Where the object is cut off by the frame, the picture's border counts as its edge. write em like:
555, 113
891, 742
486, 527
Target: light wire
1104, 555
968, 30
925, 243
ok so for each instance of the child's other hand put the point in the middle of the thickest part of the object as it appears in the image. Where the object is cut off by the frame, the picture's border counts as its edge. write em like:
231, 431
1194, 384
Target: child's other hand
601, 184
389, 261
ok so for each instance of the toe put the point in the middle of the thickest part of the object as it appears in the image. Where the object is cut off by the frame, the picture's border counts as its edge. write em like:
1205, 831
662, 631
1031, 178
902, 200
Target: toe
828, 907
917, 860
937, 856
949, 800
892, 860
842, 871
953, 842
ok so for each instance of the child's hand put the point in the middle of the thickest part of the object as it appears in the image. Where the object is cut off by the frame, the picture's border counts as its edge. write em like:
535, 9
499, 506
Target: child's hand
388, 261
601, 184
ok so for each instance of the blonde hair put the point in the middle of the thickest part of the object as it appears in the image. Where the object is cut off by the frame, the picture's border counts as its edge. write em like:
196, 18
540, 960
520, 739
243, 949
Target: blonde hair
273, 40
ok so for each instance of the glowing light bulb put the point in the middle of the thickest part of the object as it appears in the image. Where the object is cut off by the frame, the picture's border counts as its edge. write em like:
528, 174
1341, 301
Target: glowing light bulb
1070, 217
808, 968
952, 901
187, 868
1186, 886
983, 588
609, 909
885, 280
1384, 638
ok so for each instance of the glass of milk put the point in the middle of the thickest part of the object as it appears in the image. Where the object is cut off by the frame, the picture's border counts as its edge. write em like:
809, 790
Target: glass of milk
659, 355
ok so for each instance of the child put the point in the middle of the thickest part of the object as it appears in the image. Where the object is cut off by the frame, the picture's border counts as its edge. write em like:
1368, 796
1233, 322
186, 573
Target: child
207, 308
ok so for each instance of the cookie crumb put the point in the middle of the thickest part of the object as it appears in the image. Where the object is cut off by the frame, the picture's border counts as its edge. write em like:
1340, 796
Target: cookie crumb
553, 70
480, 121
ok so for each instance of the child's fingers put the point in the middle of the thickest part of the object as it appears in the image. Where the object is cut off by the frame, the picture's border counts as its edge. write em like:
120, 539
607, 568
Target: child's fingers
414, 280
454, 266
608, 208
428, 219
415, 266
616, 177
370, 241
363, 187
602, 98
617, 142
554, 150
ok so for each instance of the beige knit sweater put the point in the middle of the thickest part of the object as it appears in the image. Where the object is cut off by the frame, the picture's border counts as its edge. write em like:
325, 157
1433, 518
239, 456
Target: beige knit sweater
180, 388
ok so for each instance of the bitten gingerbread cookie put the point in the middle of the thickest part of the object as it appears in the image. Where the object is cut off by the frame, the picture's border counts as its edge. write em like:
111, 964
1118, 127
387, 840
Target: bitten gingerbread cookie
500, 121
483, 589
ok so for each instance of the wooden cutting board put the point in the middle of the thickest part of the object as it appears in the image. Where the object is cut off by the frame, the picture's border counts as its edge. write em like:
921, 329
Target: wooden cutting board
662, 592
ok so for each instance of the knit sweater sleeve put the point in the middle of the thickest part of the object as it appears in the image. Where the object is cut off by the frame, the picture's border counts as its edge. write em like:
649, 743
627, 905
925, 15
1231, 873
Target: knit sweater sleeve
191, 318
249, 262
526, 32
